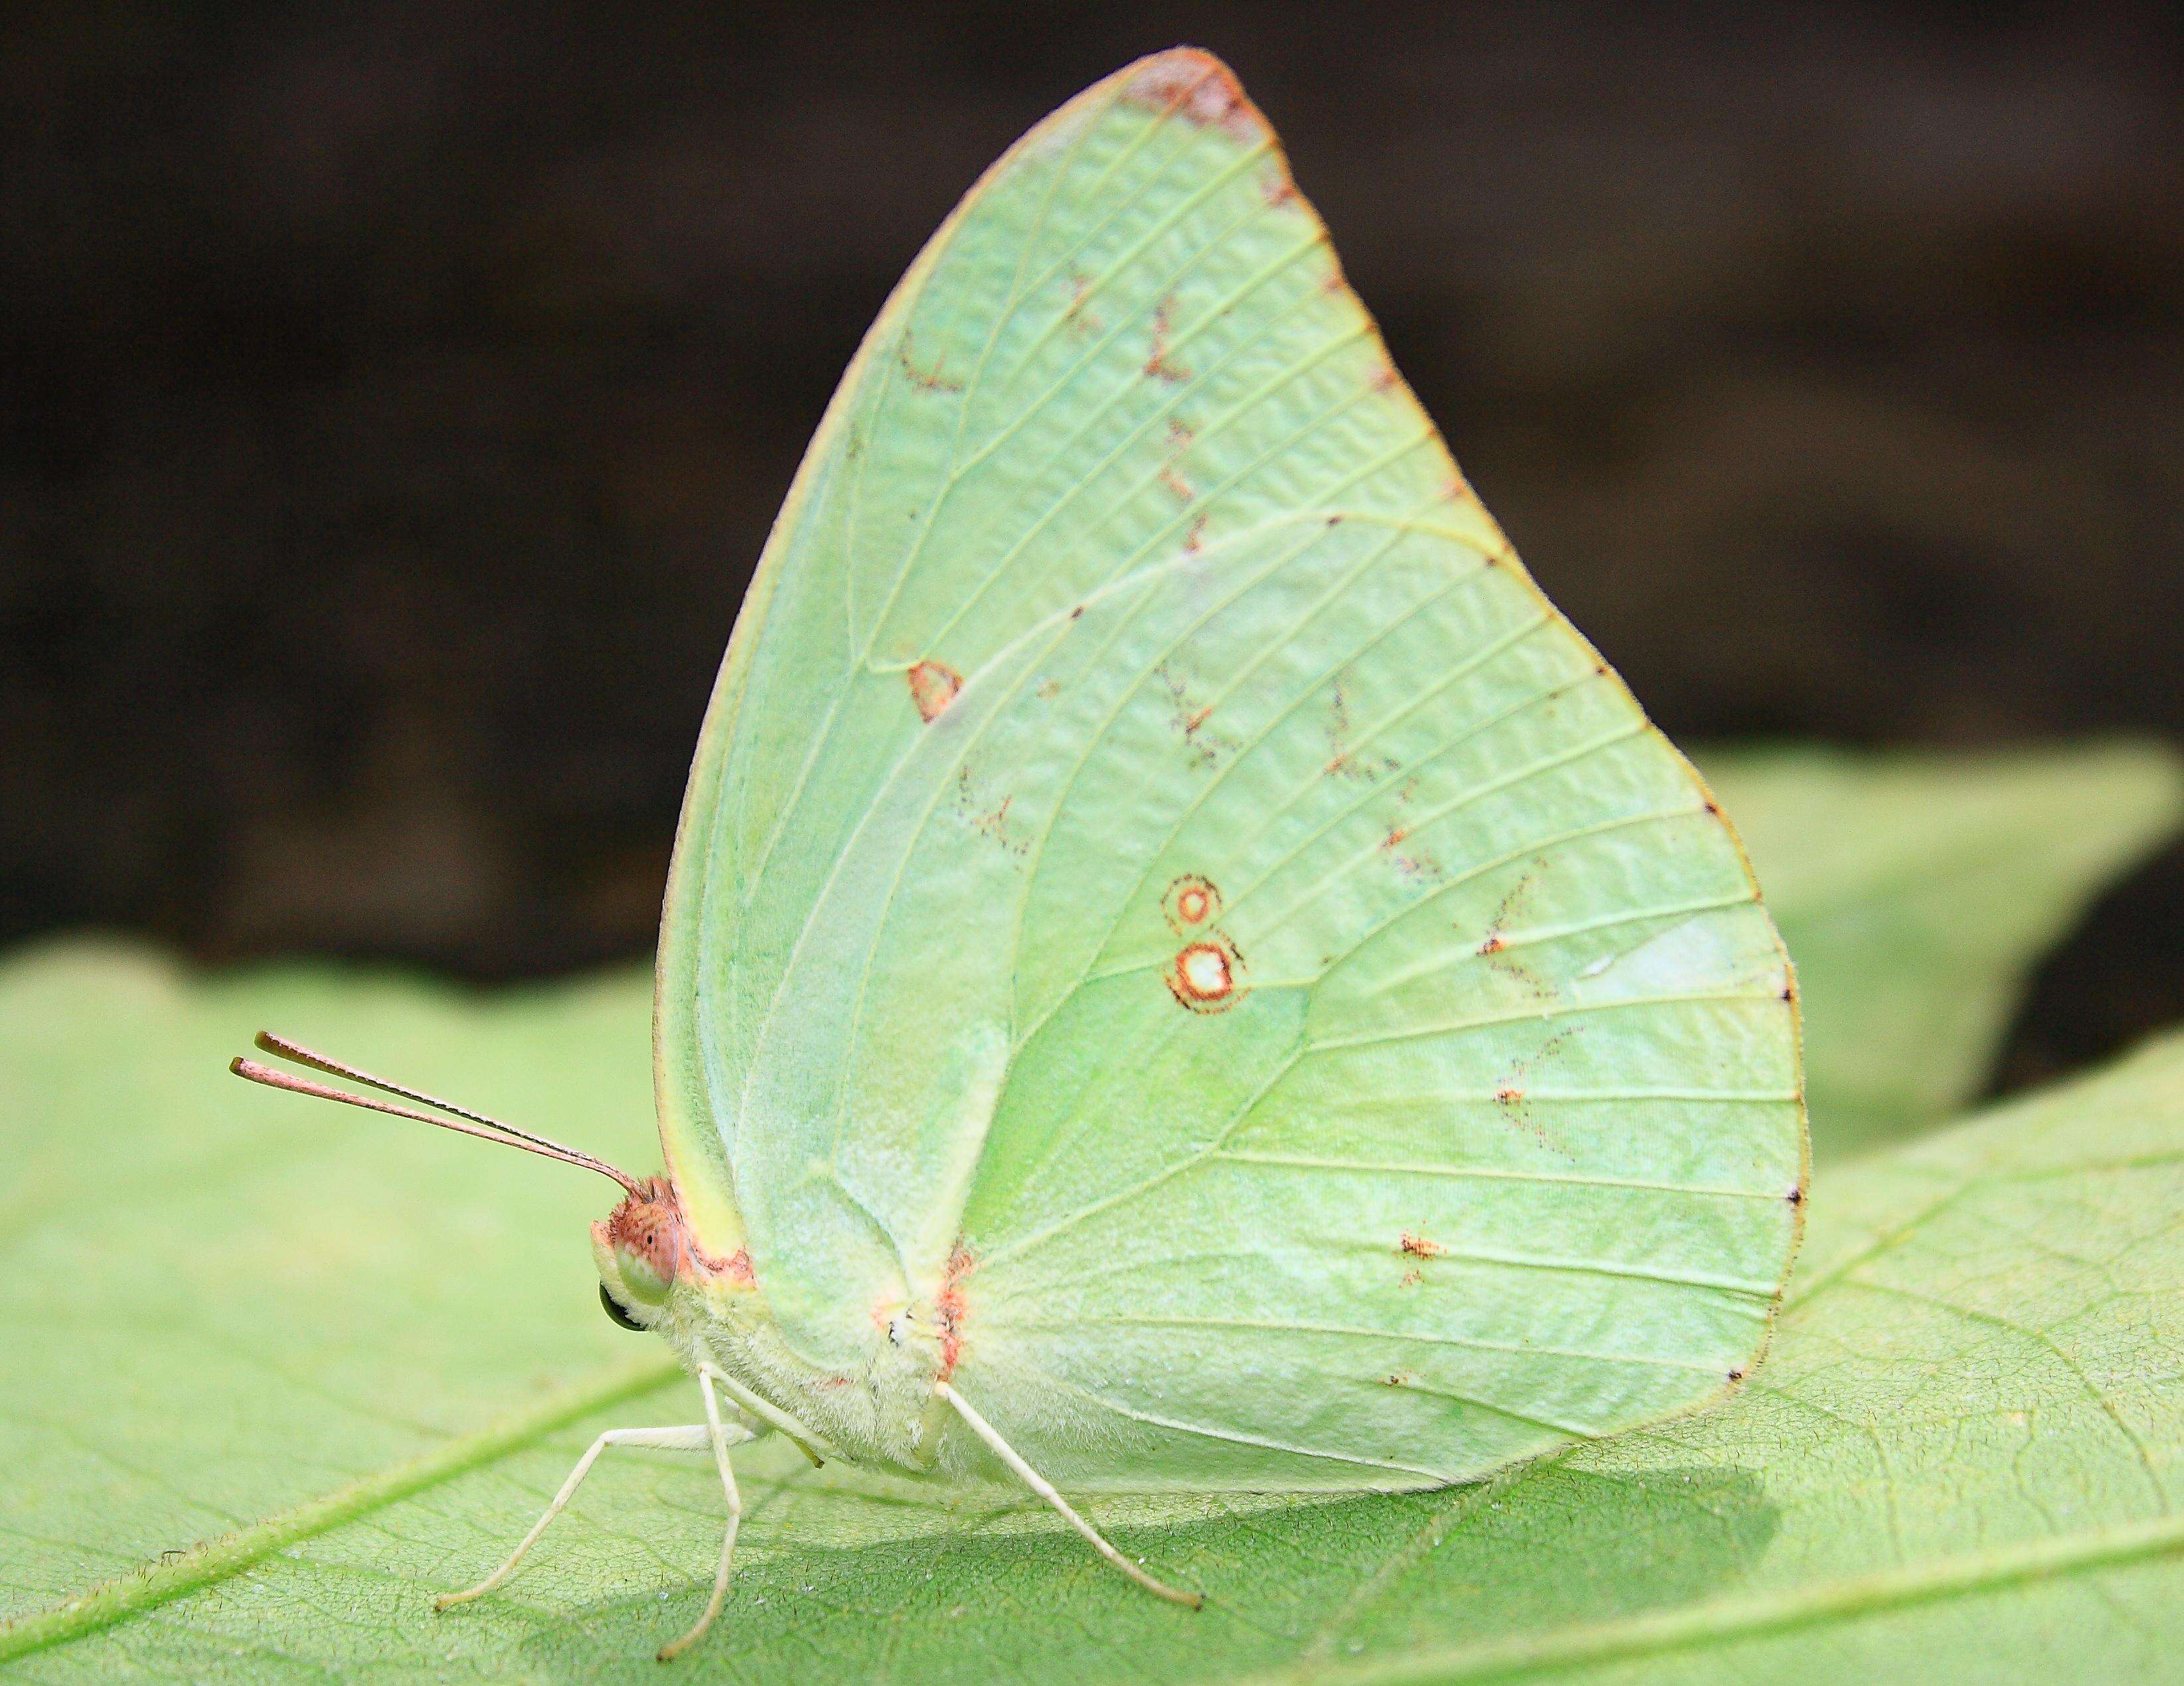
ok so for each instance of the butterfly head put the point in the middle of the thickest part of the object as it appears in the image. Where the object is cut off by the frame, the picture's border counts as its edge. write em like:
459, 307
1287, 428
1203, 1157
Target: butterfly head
642, 1248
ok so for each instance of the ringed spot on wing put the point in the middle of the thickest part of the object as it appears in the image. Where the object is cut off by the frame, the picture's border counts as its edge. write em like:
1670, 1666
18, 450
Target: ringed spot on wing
1206, 976
1191, 902
933, 687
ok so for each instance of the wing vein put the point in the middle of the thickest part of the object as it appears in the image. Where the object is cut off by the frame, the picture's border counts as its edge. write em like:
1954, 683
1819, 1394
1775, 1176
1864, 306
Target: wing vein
1237, 1437
1500, 1174
1574, 1009
1283, 1325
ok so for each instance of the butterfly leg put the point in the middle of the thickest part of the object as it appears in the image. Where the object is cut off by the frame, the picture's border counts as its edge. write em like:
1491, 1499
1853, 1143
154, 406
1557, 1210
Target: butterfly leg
692, 1437
755, 1409
1044, 1489
717, 1438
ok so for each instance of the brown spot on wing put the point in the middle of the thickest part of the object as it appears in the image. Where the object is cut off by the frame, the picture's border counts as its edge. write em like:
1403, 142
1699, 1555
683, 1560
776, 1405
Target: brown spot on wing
926, 380
995, 824
992, 822
1192, 83
1497, 939
1510, 1095
1345, 760
1080, 320
1413, 864
735, 1268
933, 687
950, 1310
1179, 436
1159, 365
1191, 718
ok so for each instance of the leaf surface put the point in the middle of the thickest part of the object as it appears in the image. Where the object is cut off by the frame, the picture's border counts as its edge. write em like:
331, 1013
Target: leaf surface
1916, 891
371, 1353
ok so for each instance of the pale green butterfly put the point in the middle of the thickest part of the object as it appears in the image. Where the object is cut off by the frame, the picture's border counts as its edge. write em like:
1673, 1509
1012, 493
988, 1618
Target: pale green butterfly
1181, 971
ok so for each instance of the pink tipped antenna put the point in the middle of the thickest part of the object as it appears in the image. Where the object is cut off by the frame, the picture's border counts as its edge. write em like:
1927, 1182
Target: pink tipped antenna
478, 1125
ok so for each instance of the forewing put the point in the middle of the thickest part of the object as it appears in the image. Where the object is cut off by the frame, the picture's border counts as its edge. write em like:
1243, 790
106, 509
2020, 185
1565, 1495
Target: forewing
1161, 880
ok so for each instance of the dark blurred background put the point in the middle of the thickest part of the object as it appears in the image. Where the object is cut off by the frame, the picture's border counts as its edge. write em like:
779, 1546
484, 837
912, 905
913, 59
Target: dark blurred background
394, 396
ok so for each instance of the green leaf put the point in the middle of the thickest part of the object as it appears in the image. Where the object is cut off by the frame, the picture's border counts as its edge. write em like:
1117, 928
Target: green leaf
220, 1306
1916, 892
356, 1357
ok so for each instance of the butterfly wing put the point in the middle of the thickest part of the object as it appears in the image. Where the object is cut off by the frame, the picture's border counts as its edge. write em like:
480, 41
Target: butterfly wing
1161, 883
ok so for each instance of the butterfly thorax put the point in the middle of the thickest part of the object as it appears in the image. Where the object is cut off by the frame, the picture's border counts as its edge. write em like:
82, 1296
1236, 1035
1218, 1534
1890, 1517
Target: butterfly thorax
712, 1311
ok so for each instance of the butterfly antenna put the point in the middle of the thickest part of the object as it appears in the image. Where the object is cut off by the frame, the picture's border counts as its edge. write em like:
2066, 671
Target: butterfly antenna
475, 1124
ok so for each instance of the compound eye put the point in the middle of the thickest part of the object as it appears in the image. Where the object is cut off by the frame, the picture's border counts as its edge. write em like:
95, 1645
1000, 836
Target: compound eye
615, 1311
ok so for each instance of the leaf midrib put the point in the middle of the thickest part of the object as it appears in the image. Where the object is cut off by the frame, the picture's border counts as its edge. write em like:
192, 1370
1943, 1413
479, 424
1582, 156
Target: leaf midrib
152, 1584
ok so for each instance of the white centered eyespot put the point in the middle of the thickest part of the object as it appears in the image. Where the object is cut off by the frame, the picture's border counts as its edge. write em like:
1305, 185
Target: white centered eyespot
1206, 971
1206, 976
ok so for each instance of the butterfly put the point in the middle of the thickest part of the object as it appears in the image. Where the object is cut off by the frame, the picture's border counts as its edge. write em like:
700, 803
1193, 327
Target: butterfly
1181, 971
